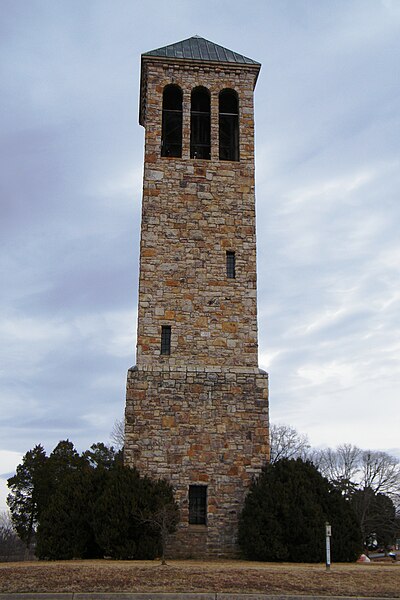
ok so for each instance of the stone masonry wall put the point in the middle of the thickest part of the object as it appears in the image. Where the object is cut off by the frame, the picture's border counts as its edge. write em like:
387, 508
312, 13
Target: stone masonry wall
193, 212
200, 414
200, 427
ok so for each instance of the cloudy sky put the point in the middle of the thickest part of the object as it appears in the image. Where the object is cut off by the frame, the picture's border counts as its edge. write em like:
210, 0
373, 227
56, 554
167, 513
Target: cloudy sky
328, 208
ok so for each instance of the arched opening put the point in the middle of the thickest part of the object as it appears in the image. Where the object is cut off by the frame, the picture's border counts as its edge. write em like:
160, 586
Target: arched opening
228, 125
171, 135
200, 124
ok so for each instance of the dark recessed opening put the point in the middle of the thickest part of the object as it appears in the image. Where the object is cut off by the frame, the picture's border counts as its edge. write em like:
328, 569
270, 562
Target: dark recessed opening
228, 125
166, 339
197, 504
171, 135
200, 124
230, 264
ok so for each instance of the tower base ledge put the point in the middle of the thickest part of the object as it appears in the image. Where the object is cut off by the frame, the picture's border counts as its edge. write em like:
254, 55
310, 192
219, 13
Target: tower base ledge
197, 369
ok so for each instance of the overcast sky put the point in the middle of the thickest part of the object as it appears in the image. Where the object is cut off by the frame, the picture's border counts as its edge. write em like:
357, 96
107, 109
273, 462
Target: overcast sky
328, 210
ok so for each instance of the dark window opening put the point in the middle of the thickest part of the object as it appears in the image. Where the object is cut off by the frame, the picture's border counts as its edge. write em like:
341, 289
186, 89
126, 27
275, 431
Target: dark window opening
200, 124
228, 125
197, 504
230, 264
166, 339
171, 135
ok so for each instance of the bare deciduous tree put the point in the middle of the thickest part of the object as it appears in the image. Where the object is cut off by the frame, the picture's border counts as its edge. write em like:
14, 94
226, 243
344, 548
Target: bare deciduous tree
286, 442
370, 479
351, 468
164, 520
341, 465
117, 434
11, 547
380, 472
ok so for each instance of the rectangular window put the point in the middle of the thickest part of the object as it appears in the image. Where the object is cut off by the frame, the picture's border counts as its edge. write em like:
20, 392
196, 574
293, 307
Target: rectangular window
197, 504
166, 339
230, 264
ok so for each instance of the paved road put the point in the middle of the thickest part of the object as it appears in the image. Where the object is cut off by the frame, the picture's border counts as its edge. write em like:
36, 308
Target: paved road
177, 596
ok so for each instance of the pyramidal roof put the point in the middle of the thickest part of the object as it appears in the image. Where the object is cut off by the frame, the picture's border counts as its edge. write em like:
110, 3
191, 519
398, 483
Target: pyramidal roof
198, 48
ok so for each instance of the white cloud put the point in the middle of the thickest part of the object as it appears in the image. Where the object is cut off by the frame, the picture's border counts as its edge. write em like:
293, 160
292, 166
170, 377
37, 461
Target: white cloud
325, 193
328, 131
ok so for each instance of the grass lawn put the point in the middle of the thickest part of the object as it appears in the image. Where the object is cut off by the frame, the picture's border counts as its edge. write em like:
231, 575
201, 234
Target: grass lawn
374, 579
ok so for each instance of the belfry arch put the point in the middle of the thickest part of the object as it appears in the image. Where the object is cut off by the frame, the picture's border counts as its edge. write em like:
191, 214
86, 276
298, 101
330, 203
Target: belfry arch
171, 132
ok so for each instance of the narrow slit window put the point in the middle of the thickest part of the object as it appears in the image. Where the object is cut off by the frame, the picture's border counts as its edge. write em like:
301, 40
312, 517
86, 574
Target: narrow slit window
230, 264
200, 124
197, 504
171, 134
166, 339
228, 125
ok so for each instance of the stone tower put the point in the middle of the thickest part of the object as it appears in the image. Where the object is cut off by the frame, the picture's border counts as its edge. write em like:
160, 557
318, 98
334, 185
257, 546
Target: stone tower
197, 403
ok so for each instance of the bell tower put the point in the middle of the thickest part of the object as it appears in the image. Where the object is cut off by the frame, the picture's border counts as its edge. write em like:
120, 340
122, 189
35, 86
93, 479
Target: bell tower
197, 403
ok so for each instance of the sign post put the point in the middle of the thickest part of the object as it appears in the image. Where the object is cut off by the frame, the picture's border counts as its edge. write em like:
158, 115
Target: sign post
328, 533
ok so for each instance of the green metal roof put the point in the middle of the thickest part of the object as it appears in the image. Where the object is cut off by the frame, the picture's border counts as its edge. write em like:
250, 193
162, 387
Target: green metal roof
198, 48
